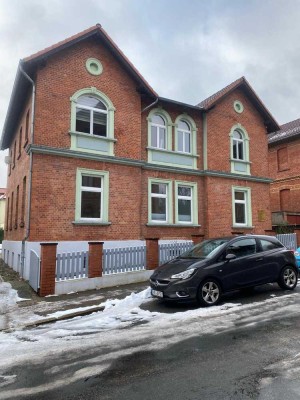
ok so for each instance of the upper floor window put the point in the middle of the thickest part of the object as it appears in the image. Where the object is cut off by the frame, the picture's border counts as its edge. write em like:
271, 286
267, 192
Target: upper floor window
158, 132
239, 150
238, 146
184, 137
91, 116
92, 122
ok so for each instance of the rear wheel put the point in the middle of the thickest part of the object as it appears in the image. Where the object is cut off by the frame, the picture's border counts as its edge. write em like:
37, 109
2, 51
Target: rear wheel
288, 278
209, 293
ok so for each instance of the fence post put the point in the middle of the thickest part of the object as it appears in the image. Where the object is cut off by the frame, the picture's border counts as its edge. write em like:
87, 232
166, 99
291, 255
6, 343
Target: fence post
48, 268
152, 253
95, 259
197, 238
297, 231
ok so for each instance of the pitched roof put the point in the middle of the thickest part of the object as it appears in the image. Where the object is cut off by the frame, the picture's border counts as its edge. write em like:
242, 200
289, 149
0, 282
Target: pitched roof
287, 131
22, 85
242, 82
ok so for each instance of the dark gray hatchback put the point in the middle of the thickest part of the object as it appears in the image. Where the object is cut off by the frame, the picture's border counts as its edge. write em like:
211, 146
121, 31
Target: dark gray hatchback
220, 265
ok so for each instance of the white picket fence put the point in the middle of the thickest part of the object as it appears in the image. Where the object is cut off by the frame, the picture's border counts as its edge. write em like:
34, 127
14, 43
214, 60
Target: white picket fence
115, 260
289, 240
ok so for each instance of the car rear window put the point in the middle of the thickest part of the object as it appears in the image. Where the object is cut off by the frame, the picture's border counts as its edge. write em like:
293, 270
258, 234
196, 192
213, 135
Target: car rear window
268, 245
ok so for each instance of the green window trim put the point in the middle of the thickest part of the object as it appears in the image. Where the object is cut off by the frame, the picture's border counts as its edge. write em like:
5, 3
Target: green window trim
94, 66
193, 127
169, 202
244, 163
93, 139
194, 205
159, 111
248, 207
104, 198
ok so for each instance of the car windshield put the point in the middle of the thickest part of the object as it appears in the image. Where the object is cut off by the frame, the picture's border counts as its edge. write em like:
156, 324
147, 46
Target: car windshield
206, 249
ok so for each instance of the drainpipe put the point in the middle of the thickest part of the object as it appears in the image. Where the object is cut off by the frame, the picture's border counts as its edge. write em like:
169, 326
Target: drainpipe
204, 141
30, 165
150, 105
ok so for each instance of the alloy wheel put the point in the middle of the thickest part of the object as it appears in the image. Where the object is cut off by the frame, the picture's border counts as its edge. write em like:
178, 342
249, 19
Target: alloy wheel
289, 277
210, 292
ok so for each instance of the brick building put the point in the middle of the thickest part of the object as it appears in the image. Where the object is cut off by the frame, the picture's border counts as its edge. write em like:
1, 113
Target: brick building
96, 154
284, 155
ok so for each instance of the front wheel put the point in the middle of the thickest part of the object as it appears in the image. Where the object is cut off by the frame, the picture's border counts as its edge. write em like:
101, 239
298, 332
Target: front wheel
288, 278
209, 293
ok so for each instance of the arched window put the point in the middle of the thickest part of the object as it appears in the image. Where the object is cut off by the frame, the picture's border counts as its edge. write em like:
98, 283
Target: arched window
158, 132
92, 122
183, 136
238, 146
239, 150
91, 116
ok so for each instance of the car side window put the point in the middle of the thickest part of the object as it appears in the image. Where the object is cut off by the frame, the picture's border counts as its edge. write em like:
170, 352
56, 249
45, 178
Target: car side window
242, 248
268, 245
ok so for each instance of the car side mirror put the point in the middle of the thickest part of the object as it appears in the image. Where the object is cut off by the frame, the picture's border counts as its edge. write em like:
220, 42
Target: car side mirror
230, 257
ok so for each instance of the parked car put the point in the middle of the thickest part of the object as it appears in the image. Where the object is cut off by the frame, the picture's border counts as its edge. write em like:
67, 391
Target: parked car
220, 265
297, 256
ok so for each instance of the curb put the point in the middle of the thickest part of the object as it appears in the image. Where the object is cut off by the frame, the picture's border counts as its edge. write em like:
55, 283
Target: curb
55, 319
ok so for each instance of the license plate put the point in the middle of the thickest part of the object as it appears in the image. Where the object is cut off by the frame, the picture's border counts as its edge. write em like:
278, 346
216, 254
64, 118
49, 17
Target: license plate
157, 293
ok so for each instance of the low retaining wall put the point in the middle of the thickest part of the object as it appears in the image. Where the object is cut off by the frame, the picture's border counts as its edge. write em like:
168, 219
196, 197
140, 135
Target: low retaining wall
105, 281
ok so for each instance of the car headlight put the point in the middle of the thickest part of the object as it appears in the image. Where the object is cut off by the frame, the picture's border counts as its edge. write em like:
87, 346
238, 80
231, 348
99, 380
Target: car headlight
184, 275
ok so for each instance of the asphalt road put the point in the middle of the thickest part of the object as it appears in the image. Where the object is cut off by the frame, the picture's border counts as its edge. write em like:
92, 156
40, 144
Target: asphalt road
259, 361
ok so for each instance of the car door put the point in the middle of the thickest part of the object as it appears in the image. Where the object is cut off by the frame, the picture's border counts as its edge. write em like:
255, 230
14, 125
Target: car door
272, 259
244, 269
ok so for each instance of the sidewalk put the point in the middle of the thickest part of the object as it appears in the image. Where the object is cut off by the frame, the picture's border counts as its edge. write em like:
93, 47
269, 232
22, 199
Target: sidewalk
28, 309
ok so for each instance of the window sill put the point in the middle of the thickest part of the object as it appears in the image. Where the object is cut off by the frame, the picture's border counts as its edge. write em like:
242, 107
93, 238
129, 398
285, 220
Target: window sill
242, 227
89, 135
91, 223
156, 224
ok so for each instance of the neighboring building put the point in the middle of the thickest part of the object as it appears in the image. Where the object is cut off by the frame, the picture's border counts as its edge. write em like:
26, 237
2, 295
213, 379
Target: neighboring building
2, 207
96, 154
284, 156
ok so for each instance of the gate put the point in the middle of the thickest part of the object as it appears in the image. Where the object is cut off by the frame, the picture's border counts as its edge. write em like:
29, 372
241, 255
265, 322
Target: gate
34, 274
289, 240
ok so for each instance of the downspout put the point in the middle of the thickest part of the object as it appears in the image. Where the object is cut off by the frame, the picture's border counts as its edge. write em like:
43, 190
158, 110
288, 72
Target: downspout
204, 141
205, 164
30, 165
150, 105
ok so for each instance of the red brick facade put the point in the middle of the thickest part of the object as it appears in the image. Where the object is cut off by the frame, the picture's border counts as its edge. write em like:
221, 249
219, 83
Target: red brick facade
52, 181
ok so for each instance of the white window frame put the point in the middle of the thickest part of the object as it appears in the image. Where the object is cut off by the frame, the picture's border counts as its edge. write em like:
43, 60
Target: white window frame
157, 133
104, 190
192, 198
247, 206
235, 142
240, 166
184, 133
192, 132
92, 110
167, 196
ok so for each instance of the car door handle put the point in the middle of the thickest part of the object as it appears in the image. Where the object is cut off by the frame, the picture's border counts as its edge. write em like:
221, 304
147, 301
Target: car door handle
259, 259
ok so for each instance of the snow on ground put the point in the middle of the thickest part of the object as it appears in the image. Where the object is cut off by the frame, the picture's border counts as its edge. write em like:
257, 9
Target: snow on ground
121, 329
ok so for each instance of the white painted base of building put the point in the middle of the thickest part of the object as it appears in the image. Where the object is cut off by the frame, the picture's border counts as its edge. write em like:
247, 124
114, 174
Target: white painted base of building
106, 281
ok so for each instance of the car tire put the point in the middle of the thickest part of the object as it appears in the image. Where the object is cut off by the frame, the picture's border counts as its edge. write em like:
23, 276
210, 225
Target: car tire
288, 278
209, 293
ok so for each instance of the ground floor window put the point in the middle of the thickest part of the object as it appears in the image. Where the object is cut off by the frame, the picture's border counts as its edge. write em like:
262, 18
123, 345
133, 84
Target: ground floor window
161, 196
91, 196
242, 215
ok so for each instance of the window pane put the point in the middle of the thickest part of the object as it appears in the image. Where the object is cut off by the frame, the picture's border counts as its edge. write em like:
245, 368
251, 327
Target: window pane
157, 119
99, 125
239, 195
159, 209
242, 248
160, 188
90, 101
180, 141
162, 138
83, 120
90, 204
184, 191
183, 125
234, 149
241, 150
187, 139
267, 245
237, 135
184, 210
240, 213
91, 181
153, 136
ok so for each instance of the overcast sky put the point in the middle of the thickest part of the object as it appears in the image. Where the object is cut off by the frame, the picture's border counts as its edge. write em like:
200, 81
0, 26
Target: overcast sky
186, 49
